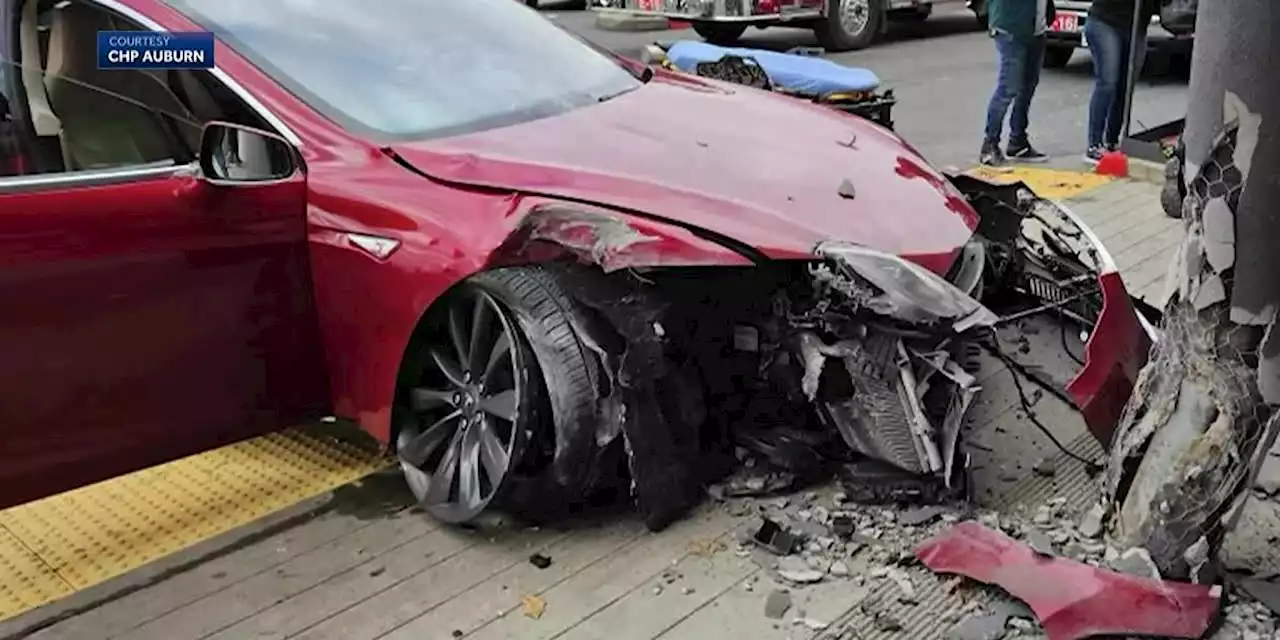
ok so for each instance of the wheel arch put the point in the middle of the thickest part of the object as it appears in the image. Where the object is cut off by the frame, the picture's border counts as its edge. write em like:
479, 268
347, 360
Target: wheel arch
550, 231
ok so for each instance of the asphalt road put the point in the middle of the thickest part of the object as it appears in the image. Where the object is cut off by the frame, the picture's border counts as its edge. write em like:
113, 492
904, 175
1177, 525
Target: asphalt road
943, 72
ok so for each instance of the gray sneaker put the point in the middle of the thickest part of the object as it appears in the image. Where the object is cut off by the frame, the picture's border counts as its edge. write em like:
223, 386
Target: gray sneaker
990, 155
1093, 155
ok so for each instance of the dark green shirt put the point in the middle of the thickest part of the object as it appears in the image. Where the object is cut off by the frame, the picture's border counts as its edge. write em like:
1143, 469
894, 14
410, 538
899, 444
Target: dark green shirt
1018, 17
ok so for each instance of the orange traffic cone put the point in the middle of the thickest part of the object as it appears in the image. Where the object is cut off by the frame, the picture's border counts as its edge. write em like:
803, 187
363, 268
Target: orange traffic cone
1113, 163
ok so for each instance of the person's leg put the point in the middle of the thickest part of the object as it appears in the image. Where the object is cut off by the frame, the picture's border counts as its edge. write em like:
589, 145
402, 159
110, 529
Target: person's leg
1105, 48
1115, 116
1019, 119
1009, 73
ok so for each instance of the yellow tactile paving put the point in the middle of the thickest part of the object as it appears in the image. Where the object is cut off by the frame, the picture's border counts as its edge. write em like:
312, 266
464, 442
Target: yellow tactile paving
1054, 184
26, 581
53, 547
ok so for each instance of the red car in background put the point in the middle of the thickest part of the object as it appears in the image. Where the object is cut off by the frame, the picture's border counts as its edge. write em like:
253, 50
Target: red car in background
527, 266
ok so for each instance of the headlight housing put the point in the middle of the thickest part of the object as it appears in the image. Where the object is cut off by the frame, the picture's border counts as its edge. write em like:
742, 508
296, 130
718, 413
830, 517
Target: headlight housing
907, 291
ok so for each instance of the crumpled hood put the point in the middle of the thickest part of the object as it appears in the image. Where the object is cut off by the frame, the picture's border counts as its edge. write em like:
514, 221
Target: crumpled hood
763, 169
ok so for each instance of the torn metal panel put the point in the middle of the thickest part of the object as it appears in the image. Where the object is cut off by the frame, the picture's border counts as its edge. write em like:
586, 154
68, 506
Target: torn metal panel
660, 425
1071, 599
607, 240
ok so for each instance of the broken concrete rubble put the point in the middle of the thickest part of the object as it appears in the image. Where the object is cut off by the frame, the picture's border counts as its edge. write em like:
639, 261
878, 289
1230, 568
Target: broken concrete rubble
879, 555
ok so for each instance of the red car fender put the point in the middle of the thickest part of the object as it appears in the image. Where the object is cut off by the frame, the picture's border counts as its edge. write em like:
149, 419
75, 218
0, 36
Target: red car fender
367, 344
548, 229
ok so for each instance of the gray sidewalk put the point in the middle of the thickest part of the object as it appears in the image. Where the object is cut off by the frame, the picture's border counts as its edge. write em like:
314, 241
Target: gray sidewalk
1127, 216
370, 567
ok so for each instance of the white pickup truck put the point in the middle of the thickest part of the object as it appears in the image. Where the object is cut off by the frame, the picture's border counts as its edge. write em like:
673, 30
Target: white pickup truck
841, 25
1066, 34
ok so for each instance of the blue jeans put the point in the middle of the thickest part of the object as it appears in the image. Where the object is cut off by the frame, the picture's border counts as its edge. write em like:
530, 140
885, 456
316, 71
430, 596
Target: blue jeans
1019, 63
1109, 46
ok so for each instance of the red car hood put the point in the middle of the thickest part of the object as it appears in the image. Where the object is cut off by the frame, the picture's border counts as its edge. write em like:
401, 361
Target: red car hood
763, 169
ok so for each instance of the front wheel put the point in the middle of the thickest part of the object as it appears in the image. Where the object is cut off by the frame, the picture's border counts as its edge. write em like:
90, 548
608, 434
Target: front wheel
720, 33
1058, 57
492, 396
850, 25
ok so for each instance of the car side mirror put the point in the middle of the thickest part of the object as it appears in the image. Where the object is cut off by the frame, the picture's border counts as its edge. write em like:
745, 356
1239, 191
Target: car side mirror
233, 154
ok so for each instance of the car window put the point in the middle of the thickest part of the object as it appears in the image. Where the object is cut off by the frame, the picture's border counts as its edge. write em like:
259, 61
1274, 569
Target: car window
77, 117
412, 69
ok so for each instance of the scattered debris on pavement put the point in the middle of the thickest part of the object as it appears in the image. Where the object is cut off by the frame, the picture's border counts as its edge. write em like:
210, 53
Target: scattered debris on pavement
533, 606
540, 561
776, 604
902, 558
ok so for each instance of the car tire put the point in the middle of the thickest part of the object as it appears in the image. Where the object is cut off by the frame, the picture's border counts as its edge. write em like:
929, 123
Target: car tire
851, 25
720, 33
555, 377
1057, 57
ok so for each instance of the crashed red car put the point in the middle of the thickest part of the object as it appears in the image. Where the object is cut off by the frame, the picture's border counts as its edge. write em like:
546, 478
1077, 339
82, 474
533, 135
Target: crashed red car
536, 271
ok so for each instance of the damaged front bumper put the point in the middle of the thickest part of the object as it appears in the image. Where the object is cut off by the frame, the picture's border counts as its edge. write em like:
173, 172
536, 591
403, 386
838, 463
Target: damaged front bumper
857, 361
1117, 335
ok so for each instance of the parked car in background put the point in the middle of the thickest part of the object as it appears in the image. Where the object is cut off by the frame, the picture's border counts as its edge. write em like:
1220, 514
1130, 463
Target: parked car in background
840, 25
1066, 34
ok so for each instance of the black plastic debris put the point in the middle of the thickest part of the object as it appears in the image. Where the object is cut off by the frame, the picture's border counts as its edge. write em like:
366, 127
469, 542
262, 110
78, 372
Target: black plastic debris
776, 538
879, 483
753, 482
843, 525
540, 561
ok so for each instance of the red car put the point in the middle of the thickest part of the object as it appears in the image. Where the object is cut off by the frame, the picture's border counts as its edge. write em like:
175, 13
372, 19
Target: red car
530, 267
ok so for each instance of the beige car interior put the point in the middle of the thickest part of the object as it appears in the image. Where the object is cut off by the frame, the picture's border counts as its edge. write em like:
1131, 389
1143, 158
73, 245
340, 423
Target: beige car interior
105, 118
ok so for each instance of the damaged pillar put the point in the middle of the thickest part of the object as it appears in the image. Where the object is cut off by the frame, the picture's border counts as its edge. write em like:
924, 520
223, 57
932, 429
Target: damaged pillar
1204, 412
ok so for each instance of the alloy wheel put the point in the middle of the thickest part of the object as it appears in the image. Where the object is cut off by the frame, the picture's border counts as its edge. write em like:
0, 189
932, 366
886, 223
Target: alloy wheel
462, 431
854, 16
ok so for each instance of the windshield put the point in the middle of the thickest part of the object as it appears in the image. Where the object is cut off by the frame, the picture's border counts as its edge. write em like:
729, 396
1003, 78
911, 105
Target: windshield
412, 69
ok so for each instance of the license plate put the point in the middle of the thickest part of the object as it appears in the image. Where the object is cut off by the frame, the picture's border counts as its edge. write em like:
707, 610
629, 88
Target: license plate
1065, 23
664, 6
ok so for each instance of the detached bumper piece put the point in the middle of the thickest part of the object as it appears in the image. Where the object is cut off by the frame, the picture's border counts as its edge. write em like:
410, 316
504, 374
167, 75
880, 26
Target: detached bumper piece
800, 74
1074, 600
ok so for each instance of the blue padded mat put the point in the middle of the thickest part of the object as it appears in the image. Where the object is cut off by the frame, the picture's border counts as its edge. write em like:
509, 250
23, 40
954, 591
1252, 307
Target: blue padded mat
799, 74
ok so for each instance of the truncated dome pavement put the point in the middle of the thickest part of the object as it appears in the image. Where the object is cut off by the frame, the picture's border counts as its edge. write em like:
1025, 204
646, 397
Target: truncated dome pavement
52, 548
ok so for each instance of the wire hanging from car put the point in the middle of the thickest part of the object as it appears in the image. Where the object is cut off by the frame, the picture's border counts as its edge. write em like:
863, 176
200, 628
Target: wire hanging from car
993, 347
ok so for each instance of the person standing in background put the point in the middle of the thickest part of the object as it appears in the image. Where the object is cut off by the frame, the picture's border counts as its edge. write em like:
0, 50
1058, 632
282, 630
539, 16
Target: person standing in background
1018, 29
1109, 32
